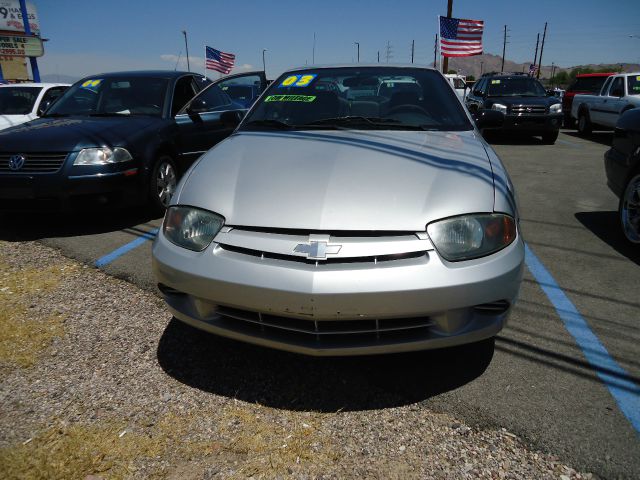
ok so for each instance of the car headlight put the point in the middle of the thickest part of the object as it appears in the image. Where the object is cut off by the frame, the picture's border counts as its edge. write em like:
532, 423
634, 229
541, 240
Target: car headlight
102, 156
472, 236
555, 108
190, 227
499, 107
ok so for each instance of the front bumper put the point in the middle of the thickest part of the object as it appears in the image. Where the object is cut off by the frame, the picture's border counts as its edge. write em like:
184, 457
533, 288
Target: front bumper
339, 308
532, 124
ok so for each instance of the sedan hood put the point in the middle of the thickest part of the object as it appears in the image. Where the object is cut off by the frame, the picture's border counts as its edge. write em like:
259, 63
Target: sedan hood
72, 133
342, 180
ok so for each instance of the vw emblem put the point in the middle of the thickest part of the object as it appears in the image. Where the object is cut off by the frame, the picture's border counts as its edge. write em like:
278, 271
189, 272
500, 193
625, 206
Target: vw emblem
317, 250
16, 162
529, 109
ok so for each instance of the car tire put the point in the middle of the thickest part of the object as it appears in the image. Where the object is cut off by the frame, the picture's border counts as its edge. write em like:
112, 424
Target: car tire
549, 138
629, 209
162, 183
584, 123
569, 122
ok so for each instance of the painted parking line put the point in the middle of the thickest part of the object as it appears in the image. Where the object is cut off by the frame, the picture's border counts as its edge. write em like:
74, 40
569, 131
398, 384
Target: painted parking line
110, 257
625, 392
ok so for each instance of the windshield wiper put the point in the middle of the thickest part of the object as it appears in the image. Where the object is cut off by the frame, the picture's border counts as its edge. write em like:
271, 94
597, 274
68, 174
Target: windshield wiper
56, 115
275, 124
109, 114
354, 120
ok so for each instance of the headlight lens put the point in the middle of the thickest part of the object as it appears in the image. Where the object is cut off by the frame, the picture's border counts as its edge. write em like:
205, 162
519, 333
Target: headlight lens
555, 108
472, 236
190, 227
499, 107
102, 156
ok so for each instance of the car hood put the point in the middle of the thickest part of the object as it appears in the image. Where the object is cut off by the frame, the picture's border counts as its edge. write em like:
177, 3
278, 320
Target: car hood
72, 133
342, 180
546, 101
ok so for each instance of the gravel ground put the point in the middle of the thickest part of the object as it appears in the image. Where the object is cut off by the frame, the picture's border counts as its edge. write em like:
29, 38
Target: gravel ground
98, 381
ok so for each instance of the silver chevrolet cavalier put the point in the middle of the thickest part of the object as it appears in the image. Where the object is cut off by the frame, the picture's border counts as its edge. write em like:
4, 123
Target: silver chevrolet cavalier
355, 210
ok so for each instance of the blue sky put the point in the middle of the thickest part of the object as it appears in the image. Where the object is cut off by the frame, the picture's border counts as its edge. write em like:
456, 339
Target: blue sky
90, 36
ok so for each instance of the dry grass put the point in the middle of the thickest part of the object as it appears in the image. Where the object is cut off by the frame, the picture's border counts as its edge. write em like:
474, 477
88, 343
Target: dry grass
272, 449
23, 337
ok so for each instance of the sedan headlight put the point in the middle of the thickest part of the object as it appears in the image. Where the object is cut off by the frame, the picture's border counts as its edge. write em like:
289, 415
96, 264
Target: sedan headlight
102, 156
472, 236
499, 107
190, 227
555, 108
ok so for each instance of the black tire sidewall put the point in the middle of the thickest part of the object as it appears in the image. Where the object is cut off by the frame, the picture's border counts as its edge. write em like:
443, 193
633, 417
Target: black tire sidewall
154, 202
632, 175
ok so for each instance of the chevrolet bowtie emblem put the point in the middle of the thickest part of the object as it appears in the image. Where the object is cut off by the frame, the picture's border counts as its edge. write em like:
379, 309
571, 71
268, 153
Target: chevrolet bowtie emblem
317, 250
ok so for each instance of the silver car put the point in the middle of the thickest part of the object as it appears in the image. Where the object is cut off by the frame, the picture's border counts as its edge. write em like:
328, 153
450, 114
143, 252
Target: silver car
337, 221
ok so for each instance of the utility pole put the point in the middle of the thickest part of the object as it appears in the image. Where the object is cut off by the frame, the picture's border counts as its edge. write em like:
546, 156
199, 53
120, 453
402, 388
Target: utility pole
535, 57
388, 53
27, 31
313, 54
481, 67
553, 72
413, 45
435, 51
504, 47
186, 47
445, 62
378, 56
544, 35
264, 66
358, 45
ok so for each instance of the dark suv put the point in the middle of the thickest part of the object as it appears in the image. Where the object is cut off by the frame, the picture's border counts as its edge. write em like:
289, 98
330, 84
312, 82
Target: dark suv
523, 100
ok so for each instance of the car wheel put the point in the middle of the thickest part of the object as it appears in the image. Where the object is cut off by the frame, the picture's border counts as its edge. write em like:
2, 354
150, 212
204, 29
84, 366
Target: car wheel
550, 137
162, 184
569, 122
584, 123
629, 209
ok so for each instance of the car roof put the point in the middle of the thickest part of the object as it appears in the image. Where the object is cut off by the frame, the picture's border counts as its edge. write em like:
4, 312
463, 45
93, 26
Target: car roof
34, 84
361, 65
600, 74
172, 74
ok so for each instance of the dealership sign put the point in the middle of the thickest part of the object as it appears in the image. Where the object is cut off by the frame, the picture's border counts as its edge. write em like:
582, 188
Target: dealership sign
17, 46
11, 17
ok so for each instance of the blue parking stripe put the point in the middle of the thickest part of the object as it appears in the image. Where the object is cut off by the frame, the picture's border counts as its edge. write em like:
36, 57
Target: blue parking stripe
625, 392
110, 257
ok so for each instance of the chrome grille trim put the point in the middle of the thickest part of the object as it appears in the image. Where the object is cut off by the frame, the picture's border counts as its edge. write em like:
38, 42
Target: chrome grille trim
36, 162
528, 110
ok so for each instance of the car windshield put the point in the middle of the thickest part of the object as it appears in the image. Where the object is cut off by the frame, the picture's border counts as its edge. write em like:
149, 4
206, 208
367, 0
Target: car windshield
516, 87
113, 96
359, 98
633, 84
587, 84
18, 100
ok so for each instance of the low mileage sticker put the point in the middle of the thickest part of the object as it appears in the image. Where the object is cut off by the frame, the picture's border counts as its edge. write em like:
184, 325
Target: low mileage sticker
290, 98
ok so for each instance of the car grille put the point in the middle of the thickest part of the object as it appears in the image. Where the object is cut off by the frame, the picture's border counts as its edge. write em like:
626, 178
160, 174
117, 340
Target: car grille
342, 247
39, 162
528, 109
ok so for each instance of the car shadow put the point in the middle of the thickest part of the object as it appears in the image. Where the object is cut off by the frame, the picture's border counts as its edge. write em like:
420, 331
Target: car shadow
18, 227
606, 227
604, 137
326, 384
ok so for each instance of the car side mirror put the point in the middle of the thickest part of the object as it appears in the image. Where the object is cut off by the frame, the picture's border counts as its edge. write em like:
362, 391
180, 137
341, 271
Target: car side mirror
488, 119
231, 118
198, 105
477, 93
43, 107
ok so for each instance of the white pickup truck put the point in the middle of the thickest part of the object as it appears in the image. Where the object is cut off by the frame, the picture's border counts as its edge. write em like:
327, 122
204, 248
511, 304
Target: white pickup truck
618, 94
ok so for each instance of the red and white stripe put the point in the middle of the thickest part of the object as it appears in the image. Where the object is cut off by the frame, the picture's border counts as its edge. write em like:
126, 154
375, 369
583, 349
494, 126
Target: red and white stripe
468, 40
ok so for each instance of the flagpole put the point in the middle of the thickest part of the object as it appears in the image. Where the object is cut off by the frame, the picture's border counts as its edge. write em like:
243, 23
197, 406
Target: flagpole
205, 62
439, 47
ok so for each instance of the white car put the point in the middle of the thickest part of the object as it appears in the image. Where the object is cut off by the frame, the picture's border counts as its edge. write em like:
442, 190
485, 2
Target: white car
459, 83
21, 102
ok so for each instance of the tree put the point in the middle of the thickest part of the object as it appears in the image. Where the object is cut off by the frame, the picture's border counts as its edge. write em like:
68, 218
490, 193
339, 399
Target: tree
470, 78
452, 71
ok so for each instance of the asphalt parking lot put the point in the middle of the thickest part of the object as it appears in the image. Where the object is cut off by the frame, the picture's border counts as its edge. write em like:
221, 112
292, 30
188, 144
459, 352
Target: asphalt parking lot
564, 375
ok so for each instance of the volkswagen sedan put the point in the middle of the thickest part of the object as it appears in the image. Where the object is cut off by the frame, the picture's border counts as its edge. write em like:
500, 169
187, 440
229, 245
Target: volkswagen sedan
334, 224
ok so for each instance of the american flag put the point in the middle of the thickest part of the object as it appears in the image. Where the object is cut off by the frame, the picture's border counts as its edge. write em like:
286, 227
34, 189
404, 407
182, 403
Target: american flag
532, 70
460, 37
220, 61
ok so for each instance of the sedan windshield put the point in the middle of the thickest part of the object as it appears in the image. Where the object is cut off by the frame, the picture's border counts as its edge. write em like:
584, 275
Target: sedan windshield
113, 96
516, 87
387, 98
18, 100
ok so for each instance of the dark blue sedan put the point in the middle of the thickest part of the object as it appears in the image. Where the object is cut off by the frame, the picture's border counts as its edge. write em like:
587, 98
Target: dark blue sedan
117, 139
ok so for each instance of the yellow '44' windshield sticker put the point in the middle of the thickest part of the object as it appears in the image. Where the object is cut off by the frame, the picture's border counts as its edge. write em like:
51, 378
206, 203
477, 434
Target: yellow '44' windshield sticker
92, 84
298, 80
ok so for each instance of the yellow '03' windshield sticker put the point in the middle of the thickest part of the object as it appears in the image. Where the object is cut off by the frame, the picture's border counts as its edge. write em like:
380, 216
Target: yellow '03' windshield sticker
92, 84
300, 80
290, 98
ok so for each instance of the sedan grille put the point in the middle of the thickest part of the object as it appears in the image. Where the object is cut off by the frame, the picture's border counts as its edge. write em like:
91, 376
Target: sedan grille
528, 109
39, 162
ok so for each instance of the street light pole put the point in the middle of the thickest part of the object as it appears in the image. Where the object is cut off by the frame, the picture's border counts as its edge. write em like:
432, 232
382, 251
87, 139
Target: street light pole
264, 67
186, 47
358, 44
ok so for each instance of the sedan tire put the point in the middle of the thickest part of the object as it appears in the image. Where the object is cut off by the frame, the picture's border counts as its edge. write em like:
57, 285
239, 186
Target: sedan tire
629, 209
162, 183
550, 138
